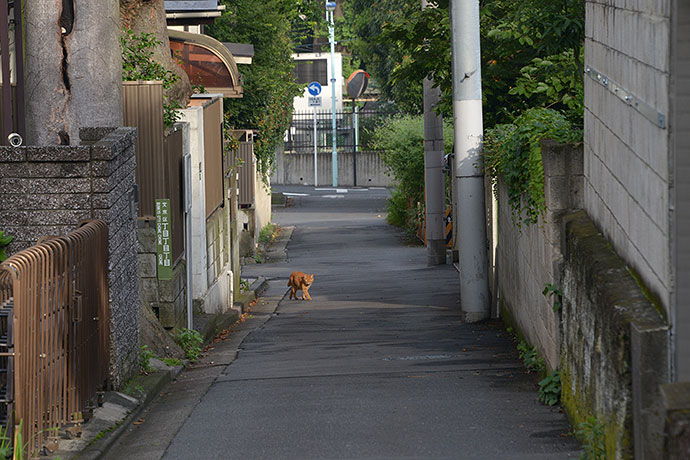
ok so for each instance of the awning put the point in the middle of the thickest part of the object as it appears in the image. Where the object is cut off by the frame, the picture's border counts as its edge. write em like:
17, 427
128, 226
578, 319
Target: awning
207, 62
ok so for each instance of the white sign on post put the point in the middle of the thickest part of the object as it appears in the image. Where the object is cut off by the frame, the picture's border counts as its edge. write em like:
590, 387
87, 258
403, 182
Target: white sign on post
314, 90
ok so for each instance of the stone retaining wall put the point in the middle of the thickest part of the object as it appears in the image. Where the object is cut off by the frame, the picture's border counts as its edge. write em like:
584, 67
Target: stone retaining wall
609, 340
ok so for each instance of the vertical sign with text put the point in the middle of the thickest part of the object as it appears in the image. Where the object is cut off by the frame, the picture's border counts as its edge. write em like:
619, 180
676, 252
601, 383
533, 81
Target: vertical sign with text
163, 240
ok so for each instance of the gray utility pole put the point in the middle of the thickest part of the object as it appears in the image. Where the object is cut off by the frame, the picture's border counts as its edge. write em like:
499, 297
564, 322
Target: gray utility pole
73, 69
469, 176
434, 183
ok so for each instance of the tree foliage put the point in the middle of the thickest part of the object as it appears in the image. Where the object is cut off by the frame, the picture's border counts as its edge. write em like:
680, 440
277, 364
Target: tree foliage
138, 63
531, 53
273, 27
361, 32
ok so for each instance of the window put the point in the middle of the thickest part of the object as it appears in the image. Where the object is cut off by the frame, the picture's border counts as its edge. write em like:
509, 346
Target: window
312, 70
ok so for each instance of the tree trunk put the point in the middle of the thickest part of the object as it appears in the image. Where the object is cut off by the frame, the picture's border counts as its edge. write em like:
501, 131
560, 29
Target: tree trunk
73, 69
149, 16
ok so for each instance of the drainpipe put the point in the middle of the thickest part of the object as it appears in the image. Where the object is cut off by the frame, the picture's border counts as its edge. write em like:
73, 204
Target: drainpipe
467, 110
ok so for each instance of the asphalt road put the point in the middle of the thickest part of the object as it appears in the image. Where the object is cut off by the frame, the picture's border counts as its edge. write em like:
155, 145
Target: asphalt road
377, 366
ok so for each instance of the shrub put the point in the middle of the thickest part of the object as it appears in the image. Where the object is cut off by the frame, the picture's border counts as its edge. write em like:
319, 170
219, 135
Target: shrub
5, 240
513, 152
401, 139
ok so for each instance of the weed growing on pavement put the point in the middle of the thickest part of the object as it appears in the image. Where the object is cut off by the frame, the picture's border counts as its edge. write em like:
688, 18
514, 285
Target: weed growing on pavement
244, 285
130, 389
172, 362
550, 388
267, 233
591, 435
5, 443
145, 356
530, 358
190, 341
551, 290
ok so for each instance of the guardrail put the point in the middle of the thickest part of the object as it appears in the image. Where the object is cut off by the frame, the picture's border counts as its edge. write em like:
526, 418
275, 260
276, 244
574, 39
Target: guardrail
54, 334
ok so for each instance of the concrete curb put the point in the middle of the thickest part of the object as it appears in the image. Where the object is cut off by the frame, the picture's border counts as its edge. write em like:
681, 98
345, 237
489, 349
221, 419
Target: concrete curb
277, 251
217, 323
156, 382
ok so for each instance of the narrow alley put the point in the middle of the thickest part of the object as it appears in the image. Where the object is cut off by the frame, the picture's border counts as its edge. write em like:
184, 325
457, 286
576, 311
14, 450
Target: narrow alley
377, 365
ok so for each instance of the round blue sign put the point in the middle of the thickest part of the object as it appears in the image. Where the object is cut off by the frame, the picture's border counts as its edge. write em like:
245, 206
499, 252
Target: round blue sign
314, 88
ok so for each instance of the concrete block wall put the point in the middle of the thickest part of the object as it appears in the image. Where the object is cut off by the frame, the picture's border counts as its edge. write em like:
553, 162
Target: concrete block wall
529, 257
298, 168
48, 190
627, 178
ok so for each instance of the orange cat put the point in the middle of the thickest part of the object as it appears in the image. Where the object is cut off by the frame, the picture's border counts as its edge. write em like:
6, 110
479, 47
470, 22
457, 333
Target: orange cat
300, 281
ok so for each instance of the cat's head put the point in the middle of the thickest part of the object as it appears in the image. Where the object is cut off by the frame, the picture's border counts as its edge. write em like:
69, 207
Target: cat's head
308, 279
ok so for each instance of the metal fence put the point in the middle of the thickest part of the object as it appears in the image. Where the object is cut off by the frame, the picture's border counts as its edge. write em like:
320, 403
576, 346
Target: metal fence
351, 129
160, 156
54, 334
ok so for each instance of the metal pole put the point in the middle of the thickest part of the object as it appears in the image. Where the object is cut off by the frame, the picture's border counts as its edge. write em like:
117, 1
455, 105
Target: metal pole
316, 170
331, 29
434, 180
354, 145
467, 110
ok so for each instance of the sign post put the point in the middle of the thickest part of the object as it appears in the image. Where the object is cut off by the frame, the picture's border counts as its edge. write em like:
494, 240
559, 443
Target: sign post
356, 85
163, 240
314, 89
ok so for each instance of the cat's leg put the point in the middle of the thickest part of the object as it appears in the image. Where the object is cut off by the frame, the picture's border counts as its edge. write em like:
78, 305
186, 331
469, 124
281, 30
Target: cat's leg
293, 292
305, 293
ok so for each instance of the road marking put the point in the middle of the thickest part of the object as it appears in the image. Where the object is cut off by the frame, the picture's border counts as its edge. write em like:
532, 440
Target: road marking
341, 190
324, 189
333, 196
295, 194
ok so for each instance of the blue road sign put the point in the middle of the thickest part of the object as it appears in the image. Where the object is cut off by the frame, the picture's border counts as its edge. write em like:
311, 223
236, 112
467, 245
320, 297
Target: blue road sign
314, 88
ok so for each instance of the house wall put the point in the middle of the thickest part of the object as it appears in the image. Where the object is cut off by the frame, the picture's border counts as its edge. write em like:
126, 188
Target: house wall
195, 117
626, 161
301, 103
211, 274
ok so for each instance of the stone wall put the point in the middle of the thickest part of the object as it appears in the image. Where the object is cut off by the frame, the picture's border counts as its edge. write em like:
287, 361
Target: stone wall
298, 168
614, 345
167, 298
626, 154
48, 190
529, 257
677, 426
609, 340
